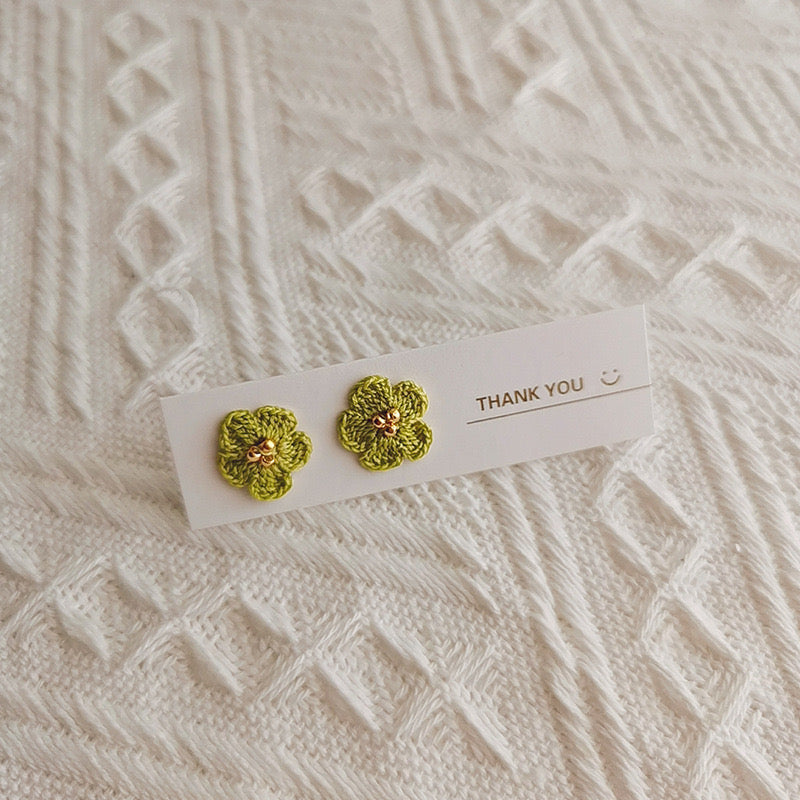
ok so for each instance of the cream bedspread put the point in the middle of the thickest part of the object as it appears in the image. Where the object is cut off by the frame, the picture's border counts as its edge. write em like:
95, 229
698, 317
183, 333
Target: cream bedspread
203, 192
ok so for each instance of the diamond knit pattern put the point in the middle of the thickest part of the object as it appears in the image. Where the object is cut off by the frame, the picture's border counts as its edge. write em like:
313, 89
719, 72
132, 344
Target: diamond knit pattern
202, 192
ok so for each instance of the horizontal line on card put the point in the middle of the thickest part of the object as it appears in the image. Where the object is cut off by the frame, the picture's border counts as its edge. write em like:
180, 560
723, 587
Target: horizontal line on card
558, 405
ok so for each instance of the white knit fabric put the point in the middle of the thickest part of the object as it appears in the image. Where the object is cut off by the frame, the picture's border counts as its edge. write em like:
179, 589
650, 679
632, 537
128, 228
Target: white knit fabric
200, 192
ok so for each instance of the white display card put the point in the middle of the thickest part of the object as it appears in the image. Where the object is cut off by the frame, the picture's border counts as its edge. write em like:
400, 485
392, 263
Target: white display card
494, 400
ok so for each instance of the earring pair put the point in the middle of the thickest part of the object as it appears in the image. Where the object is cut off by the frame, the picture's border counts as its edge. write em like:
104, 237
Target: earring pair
382, 425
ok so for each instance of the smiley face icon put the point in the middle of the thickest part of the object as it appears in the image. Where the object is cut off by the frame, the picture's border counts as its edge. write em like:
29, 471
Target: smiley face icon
610, 377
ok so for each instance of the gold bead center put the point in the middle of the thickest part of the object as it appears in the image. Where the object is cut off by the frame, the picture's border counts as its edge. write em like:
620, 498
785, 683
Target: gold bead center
262, 453
387, 422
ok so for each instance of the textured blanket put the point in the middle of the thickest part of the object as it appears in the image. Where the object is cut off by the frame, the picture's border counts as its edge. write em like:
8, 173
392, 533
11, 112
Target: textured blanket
202, 192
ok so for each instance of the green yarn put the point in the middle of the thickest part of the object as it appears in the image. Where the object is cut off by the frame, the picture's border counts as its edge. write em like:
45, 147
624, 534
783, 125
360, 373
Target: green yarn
382, 448
244, 431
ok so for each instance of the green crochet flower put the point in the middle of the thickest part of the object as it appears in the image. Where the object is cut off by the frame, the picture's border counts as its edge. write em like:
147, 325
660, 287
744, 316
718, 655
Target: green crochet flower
383, 424
261, 449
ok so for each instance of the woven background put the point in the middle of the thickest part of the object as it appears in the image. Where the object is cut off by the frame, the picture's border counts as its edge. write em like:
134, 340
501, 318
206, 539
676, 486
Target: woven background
198, 193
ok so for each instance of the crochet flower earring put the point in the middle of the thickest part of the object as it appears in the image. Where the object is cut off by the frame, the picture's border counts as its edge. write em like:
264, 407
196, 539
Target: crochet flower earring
261, 449
382, 424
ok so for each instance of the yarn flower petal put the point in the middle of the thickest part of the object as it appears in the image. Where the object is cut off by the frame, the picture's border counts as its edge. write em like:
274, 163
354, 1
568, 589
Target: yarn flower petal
356, 431
237, 471
293, 451
274, 423
270, 483
370, 395
260, 449
382, 455
415, 439
409, 399
238, 431
382, 424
